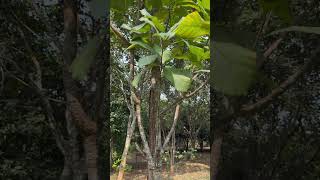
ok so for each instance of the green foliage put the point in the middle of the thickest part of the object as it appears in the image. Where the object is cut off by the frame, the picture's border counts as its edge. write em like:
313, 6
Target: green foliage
234, 68
161, 42
278, 7
192, 26
146, 60
180, 78
136, 80
303, 29
116, 164
121, 5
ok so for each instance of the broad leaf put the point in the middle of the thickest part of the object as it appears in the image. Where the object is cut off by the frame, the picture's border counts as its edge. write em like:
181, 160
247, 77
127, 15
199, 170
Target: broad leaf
234, 68
304, 29
80, 66
146, 60
206, 4
152, 20
192, 26
179, 78
140, 43
136, 80
166, 56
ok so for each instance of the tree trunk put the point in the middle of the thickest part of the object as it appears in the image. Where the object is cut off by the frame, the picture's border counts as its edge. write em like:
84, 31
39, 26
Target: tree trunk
91, 151
215, 153
201, 145
154, 174
130, 130
173, 148
67, 171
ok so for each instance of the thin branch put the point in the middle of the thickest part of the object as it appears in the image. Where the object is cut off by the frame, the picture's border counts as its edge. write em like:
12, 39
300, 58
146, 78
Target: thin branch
175, 120
179, 100
283, 86
119, 34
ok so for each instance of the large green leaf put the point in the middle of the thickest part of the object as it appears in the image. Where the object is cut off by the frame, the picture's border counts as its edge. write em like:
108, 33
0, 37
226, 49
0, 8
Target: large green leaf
206, 4
138, 29
136, 80
234, 68
192, 26
80, 66
140, 43
198, 53
179, 78
304, 29
278, 7
166, 56
146, 60
152, 20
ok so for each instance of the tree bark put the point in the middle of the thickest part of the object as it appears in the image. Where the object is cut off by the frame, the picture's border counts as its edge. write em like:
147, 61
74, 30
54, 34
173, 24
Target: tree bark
67, 171
86, 127
215, 153
173, 149
91, 151
154, 121
130, 130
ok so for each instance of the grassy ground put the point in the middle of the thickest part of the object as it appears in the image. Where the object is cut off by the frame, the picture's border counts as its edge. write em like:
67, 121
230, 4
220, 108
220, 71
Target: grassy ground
197, 169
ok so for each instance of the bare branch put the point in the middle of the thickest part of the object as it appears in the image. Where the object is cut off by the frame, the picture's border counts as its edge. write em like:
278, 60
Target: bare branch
283, 86
175, 120
179, 100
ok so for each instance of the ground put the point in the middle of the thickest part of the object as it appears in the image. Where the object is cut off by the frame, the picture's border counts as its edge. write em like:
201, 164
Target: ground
197, 169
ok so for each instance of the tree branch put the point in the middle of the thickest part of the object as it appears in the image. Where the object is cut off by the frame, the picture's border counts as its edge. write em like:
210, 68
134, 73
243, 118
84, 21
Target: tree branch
179, 100
283, 86
175, 120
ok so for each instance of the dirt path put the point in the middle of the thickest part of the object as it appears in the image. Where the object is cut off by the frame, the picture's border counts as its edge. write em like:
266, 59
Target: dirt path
197, 169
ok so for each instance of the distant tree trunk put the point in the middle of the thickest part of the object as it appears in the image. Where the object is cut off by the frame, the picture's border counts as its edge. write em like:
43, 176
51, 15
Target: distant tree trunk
201, 145
215, 154
173, 149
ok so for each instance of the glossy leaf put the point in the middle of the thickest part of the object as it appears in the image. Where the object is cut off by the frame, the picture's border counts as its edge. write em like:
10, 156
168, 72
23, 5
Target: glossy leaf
206, 4
140, 43
166, 56
192, 26
179, 78
146, 60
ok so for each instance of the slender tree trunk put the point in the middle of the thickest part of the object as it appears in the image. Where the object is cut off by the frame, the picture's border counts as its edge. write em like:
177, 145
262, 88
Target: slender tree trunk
173, 149
91, 151
67, 171
201, 145
215, 154
150, 160
154, 99
130, 130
